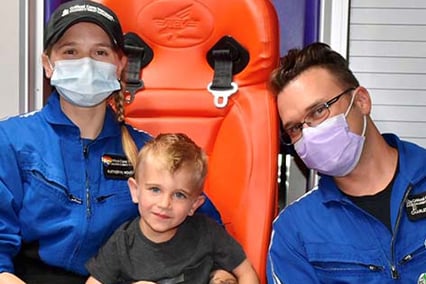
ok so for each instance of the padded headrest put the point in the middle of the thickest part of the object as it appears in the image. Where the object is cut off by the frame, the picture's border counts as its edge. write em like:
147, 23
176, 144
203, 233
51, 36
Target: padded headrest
181, 33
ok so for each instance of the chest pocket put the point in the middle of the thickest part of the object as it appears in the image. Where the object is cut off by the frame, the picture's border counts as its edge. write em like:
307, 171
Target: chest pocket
341, 263
415, 259
42, 179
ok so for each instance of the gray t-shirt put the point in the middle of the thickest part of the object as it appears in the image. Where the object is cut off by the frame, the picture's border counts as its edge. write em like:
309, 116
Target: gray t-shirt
199, 245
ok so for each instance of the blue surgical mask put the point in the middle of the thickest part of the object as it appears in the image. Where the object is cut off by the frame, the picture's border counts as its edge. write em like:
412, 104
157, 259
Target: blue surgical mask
84, 82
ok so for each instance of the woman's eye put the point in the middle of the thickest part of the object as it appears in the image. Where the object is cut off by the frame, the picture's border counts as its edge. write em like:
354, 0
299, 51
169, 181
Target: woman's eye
101, 53
70, 52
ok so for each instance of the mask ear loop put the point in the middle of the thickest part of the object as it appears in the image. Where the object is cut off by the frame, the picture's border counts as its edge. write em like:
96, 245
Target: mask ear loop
364, 128
350, 105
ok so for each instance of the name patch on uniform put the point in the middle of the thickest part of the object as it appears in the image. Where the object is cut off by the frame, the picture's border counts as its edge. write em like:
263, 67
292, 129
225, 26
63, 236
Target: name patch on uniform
117, 167
416, 206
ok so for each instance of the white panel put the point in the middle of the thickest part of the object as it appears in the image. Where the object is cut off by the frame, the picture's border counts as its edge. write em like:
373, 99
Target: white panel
388, 4
388, 48
393, 81
400, 114
334, 24
388, 64
387, 52
388, 16
398, 97
37, 78
9, 58
383, 32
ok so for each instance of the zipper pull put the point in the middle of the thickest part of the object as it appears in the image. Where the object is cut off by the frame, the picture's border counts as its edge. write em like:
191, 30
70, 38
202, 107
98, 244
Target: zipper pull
407, 258
373, 267
395, 274
74, 199
85, 152
103, 197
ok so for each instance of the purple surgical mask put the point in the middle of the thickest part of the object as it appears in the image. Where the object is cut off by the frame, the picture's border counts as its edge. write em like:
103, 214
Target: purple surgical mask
330, 147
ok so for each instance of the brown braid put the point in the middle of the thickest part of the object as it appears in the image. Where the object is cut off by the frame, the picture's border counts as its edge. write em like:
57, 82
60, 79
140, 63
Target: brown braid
129, 145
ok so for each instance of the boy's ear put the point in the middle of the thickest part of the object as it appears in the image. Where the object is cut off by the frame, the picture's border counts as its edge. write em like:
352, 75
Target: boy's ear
133, 187
196, 204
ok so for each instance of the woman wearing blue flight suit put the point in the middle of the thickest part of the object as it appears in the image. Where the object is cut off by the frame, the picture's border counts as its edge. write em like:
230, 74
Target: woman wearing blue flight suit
64, 169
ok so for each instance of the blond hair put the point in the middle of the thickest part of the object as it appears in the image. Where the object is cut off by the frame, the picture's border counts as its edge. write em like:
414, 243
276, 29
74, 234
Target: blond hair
129, 146
177, 151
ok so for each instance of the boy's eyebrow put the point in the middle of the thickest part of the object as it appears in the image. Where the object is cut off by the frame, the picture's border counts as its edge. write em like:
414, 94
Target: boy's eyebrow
186, 191
183, 190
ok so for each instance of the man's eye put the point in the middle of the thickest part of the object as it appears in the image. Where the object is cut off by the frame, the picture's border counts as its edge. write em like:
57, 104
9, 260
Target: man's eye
294, 130
319, 112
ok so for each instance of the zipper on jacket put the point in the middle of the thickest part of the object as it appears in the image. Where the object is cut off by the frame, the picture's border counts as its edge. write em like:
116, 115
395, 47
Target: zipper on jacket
407, 258
70, 196
103, 197
375, 268
74, 199
352, 265
86, 151
87, 182
394, 271
413, 254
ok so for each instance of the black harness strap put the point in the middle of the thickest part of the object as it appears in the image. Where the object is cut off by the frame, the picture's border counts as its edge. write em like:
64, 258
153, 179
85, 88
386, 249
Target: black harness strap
222, 77
227, 58
139, 55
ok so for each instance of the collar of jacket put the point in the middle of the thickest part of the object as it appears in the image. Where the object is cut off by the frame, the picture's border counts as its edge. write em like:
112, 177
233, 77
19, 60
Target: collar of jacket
56, 117
411, 170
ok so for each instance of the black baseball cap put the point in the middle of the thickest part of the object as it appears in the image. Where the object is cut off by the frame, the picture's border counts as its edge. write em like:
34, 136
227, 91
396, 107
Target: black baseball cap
73, 12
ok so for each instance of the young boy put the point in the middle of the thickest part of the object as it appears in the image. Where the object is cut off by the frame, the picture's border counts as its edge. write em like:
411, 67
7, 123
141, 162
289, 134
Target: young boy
168, 243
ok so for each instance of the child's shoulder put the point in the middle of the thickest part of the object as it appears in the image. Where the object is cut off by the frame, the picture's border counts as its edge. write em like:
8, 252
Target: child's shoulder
127, 229
203, 223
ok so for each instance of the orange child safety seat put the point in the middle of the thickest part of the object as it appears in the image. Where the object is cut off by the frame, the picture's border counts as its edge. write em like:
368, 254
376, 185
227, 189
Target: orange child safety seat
203, 70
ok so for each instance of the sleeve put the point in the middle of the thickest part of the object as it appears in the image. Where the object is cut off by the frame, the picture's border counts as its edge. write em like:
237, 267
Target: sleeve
11, 194
286, 262
227, 252
105, 266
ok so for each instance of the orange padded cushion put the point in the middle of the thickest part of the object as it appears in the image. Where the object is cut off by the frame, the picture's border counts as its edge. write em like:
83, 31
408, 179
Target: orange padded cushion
241, 139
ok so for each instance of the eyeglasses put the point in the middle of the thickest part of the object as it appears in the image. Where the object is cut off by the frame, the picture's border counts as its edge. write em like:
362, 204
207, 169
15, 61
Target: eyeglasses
313, 118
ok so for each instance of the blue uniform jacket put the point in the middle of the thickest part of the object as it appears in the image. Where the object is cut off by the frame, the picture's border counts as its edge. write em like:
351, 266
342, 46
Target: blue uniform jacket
59, 191
325, 238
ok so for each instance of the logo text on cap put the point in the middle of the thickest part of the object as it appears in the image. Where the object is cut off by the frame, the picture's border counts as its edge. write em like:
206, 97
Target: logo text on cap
87, 8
